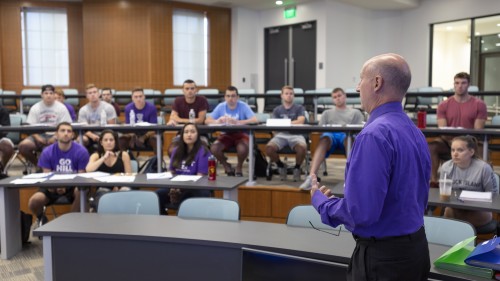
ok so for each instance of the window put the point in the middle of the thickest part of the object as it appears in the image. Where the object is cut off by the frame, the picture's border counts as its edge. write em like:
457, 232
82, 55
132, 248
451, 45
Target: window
190, 39
450, 52
45, 46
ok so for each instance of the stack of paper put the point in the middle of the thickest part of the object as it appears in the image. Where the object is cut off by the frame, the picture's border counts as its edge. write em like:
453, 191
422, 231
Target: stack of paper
454, 258
476, 196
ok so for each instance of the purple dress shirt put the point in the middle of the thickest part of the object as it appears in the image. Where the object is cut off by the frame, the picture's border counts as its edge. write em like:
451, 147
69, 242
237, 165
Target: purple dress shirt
386, 179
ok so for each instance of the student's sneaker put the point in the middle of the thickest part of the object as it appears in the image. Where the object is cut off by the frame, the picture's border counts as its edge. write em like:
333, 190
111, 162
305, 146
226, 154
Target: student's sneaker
283, 172
296, 174
39, 222
306, 185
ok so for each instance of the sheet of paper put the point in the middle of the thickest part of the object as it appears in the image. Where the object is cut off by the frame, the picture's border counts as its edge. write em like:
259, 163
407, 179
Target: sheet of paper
278, 122
143, 124
28, 181
93, 175
185, 178
38, 175
63, 176
156, 176
116, 178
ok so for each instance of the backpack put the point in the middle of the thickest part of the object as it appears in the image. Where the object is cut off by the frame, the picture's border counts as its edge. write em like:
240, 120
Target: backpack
260, 163
151, 166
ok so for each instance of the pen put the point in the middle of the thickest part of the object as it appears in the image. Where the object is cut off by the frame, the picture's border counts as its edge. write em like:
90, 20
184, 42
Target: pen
461, 200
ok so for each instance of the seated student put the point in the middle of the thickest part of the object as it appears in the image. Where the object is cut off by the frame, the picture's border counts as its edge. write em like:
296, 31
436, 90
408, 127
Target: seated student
46, 112
63, 157
190, 157
468, 172
236, 112
91, 112
144, 111
330, 141
6, 145
109, 159
182, 106
61, 98
280, 140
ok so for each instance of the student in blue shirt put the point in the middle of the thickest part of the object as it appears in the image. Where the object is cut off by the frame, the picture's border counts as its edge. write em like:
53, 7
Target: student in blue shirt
386, 182
231, 112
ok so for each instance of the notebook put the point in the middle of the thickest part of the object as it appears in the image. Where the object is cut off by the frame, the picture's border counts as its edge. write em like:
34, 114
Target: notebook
476, 196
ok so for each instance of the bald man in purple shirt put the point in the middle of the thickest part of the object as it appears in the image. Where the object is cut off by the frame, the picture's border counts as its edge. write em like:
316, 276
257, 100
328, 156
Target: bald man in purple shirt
386, 182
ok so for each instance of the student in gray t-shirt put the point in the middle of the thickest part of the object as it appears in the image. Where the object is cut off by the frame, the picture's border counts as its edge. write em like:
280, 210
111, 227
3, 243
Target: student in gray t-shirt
331, 141
48, 111
280, 140
468, 172
91, 114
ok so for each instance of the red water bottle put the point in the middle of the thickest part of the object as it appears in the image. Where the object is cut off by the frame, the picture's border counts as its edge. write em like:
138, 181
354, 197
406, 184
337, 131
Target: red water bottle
212, 170
421, 118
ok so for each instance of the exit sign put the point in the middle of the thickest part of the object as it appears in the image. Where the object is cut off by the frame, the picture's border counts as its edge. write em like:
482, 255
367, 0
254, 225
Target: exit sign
290, 12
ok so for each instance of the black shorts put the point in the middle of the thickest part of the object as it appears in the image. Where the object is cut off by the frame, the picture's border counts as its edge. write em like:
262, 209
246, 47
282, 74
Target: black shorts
68, 196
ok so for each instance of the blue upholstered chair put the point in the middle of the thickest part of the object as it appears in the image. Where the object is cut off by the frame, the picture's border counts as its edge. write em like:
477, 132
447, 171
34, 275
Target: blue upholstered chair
209, 208
301, 215
137, 202
447, 231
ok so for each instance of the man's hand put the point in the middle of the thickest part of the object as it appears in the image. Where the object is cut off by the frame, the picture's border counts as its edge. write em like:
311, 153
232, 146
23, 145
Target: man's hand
315, 186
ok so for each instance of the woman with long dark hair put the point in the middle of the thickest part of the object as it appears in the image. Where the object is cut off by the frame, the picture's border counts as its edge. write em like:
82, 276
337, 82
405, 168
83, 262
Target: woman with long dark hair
109, 159
189, 157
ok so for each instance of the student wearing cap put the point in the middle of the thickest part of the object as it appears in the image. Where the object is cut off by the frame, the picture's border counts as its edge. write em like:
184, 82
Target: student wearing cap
49, 112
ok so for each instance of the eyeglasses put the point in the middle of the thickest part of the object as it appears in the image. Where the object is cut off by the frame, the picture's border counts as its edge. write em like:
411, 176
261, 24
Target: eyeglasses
231, 96
331, 233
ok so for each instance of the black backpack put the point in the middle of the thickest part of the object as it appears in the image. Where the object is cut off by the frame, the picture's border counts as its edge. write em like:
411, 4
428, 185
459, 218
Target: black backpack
260, 163
151, 166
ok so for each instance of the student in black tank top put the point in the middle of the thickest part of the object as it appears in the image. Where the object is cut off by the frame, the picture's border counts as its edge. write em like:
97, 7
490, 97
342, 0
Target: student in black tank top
110, 159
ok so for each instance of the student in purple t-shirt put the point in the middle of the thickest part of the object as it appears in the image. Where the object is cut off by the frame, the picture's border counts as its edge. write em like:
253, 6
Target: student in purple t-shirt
144, 112
63, 157
61, 98
190, 157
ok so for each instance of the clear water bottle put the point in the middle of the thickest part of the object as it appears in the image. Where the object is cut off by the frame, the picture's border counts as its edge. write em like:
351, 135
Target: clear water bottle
104, 120
192, 116
131, 117
162, 118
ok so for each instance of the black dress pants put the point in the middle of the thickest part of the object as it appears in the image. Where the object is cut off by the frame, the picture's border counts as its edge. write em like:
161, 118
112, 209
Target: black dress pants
392, 258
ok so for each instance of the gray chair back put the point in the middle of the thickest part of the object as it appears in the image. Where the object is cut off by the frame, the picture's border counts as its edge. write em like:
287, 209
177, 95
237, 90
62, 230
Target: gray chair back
137, 202
447, 231
209, 208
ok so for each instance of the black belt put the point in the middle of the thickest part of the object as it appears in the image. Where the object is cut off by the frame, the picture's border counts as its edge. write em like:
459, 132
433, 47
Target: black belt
410, 236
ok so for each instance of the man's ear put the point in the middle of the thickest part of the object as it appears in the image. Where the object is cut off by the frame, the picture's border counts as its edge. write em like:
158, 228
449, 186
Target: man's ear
378, 82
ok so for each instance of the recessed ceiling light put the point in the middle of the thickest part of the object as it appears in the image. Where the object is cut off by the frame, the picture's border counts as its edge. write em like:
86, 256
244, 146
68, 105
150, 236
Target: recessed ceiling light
279, 2
449, 27
497, 44
478, 33
498, 24
486, 49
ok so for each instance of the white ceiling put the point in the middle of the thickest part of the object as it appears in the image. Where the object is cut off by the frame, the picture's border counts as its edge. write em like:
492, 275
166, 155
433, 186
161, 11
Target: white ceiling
270, 4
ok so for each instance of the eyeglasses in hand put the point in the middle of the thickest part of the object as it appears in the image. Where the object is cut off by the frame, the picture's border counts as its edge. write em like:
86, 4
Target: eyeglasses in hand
331, 233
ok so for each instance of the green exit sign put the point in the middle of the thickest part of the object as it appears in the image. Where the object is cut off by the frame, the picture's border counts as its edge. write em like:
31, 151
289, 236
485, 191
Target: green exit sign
290, 12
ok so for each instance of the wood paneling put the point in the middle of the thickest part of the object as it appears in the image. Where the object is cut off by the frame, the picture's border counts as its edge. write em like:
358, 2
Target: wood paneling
162, 62
117, 44
11, 51
11, 62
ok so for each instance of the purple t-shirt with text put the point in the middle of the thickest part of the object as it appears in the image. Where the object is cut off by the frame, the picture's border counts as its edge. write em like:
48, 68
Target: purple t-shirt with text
198, 166
64, 162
